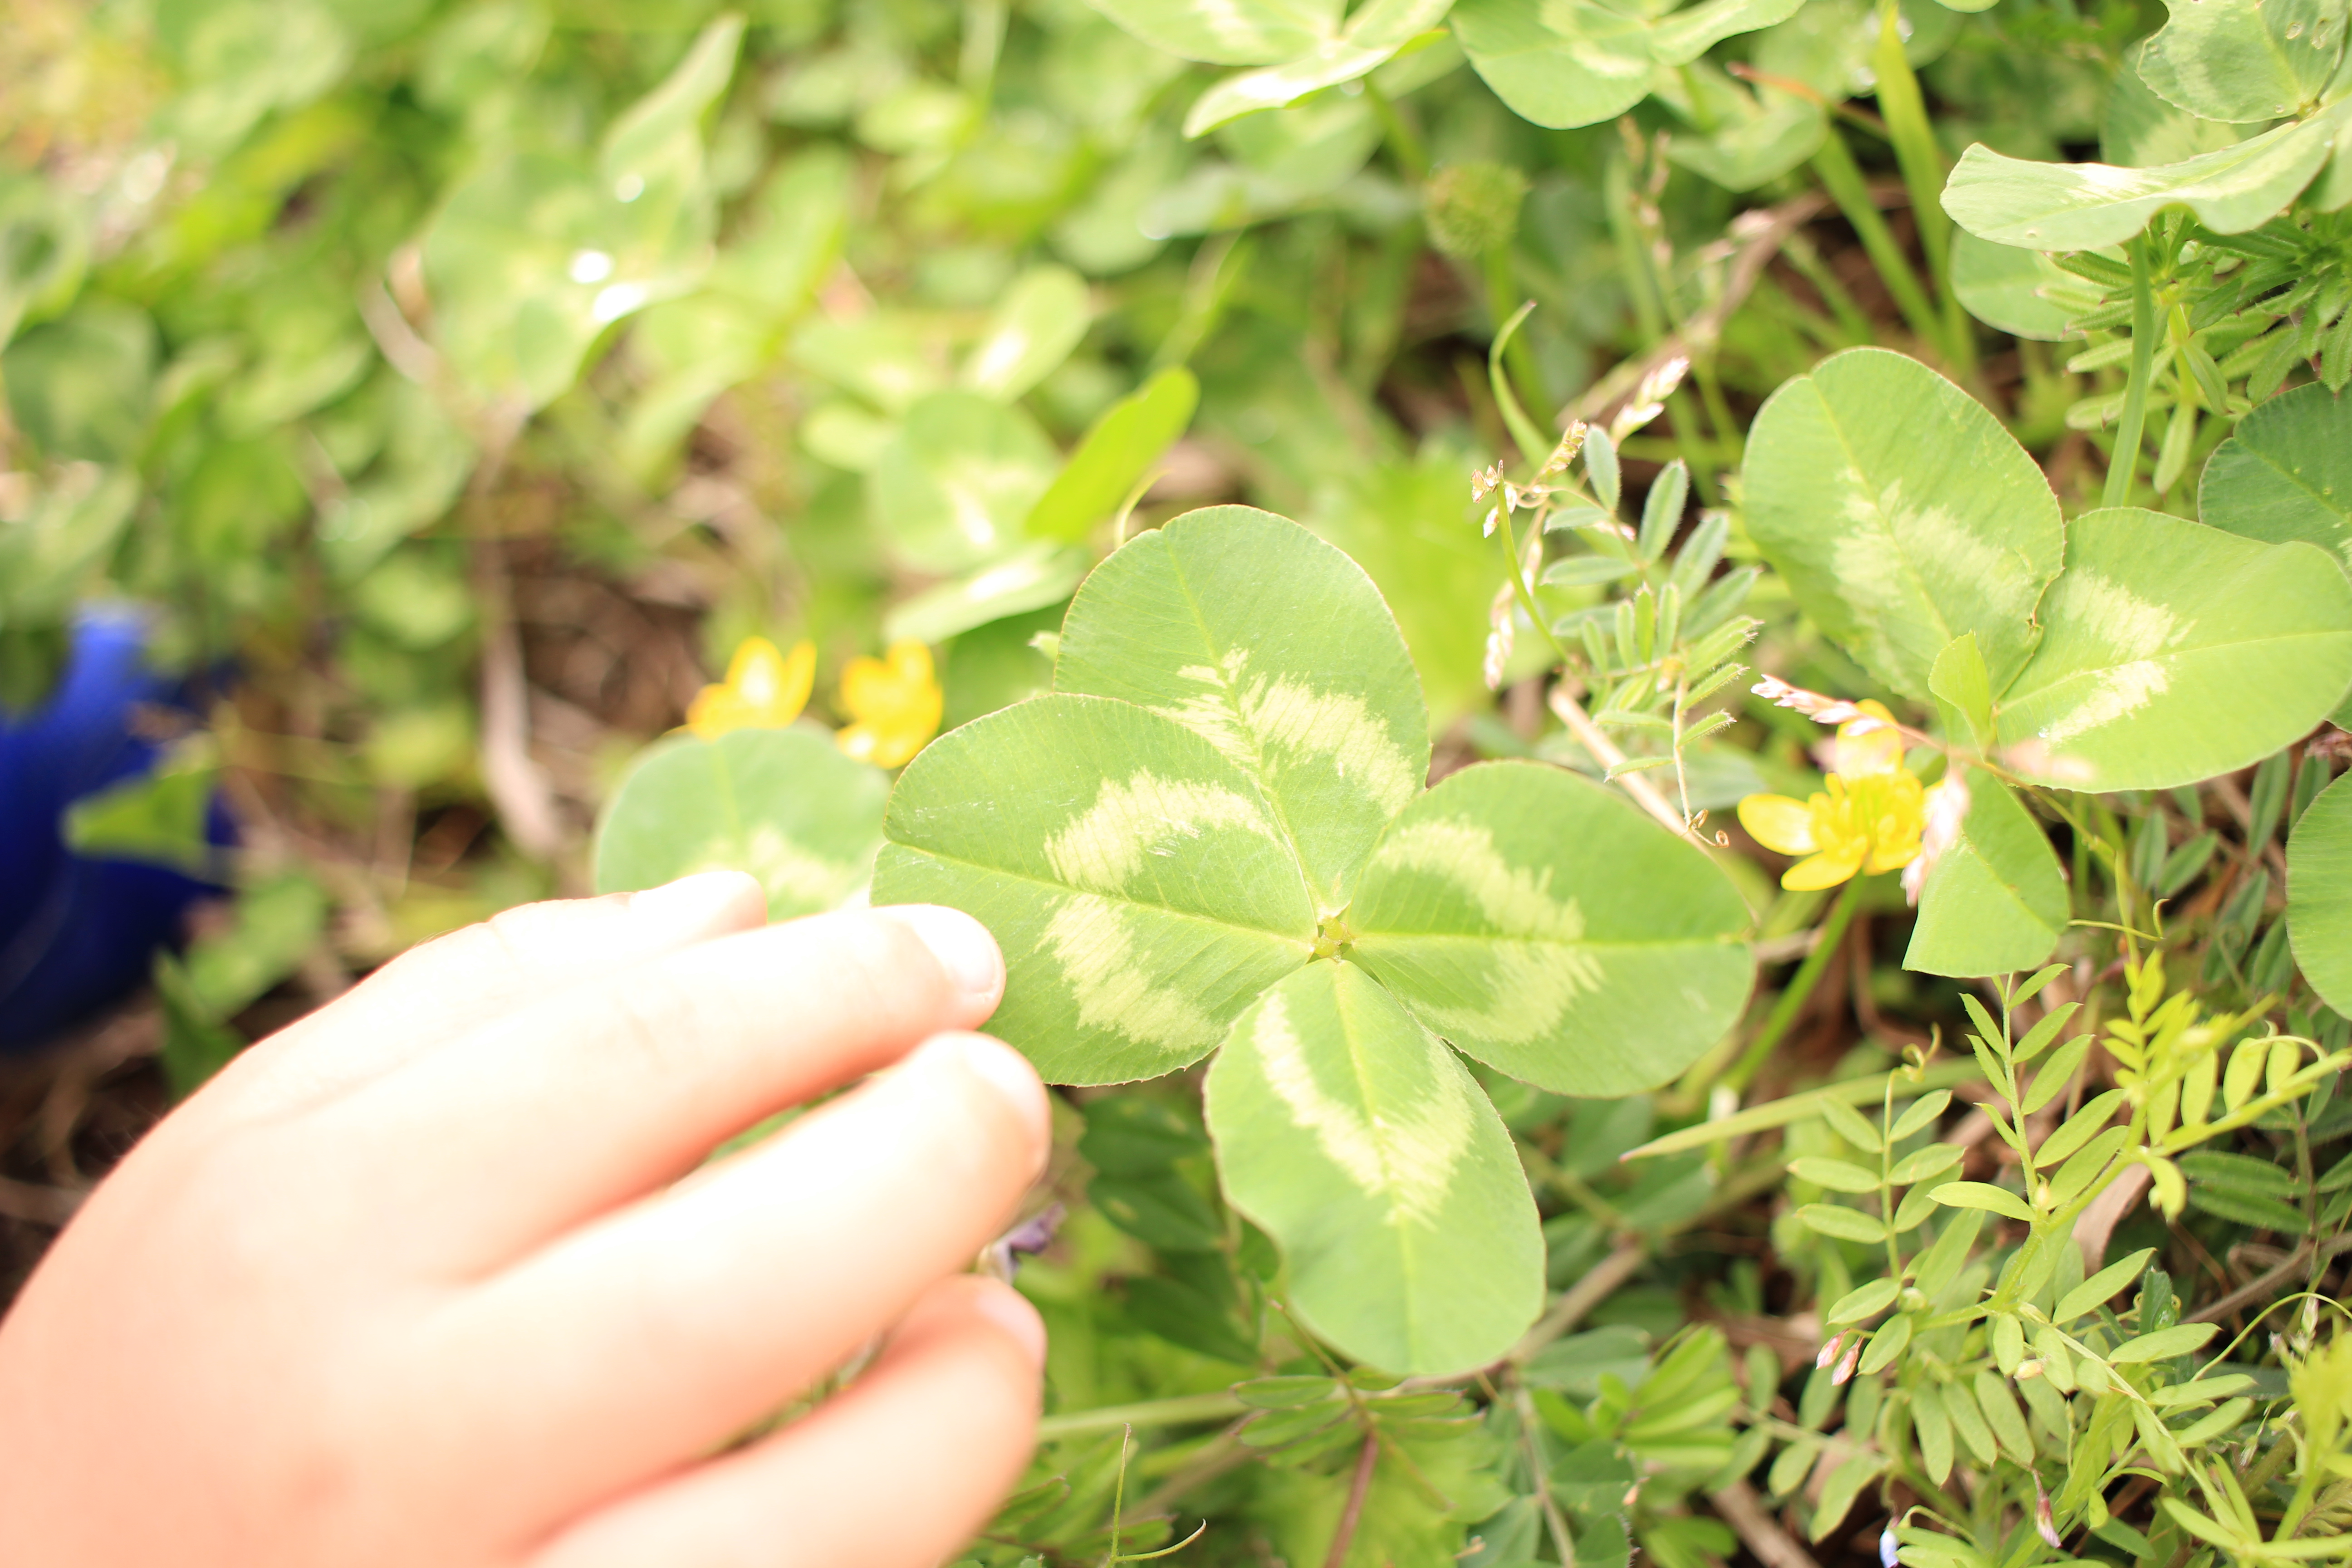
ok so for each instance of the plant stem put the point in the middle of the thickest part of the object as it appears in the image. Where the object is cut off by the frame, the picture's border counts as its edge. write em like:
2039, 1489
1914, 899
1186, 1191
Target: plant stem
1345, 1536
2132, 427
1180, 1411
1403, 142
1922, 162
1800, 986
1841, 177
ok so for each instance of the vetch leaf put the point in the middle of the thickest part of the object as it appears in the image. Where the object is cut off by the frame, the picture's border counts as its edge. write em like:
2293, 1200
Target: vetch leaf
2174, 652
1996, 901
1115, 455
1983, 1196
1845, 1224
2099, 1287
1277, 650
1835, 1174
1141, 889
1361, 1144
2318, 905
1903, 515
1865, 1301
1547, 927
2286, 473
783, 805
2082, 207
2163, 1344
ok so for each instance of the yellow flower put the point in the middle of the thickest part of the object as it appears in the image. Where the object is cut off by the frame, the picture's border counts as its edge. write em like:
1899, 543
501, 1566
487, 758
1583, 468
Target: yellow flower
764, 689
1870, 820
893, 704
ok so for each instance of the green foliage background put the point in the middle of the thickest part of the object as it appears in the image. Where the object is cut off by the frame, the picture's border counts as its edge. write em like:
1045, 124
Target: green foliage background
458, 382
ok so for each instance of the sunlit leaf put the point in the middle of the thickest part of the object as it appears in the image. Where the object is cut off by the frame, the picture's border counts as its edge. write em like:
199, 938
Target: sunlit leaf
1903, 515
1363, 1146
1541, 923
2173, 652
783, 805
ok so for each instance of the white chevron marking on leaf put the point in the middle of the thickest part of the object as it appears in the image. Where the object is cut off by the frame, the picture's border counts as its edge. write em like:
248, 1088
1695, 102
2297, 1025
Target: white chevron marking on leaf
1407, 1156
1103, 848
1093, 943
1284, 714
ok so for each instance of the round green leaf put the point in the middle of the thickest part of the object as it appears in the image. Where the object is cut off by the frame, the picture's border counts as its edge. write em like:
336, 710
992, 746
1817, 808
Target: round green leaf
1277, 648
1902, 515
953, 485
1033, 330
1564, 63
2240, 60
2081, 206
1547, 927
1363, 1146
2319, 893
1142, 890
1996, 901
783, 805
2002, 287
2174, 652
2286, 473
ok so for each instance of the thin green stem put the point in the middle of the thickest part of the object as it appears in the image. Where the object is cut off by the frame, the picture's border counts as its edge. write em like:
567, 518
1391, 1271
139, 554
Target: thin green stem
1841, 177
1404, 140
2133, 427
1922, 162
1800, 987
1183, 1410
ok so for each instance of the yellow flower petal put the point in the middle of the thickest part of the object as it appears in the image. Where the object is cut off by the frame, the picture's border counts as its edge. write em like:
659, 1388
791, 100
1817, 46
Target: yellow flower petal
893, 704
764, 689
1823, 870
1867, 748
1778, 823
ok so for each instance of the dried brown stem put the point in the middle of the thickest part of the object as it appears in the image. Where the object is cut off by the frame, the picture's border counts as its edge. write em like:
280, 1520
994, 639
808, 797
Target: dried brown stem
1745, 1511
1345, 1536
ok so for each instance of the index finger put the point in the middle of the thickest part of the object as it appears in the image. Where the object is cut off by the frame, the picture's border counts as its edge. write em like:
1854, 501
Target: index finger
583, 1102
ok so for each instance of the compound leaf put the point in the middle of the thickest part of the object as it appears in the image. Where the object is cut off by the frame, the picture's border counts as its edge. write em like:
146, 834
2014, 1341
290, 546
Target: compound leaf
1275, 649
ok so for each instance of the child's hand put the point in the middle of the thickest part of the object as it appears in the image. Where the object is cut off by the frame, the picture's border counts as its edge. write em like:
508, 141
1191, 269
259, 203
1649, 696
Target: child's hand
417, 1282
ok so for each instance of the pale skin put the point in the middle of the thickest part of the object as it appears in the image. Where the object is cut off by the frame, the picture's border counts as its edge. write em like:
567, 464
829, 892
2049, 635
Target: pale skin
438, 1275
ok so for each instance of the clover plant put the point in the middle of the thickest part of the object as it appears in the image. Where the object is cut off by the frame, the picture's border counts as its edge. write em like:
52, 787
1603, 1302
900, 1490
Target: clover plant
1213, 836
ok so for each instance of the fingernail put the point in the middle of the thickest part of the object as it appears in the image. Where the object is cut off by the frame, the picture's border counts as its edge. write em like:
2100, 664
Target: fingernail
1008, 1072
705, 903
961, 944
1011, 1311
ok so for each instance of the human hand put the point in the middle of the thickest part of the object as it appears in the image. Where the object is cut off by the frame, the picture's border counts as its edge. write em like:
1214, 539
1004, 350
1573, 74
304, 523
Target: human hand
432, 1279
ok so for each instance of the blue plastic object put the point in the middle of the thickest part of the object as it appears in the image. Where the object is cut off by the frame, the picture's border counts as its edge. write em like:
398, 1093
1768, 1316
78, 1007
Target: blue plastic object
77, 935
